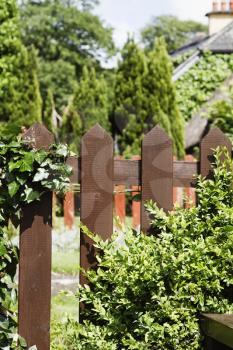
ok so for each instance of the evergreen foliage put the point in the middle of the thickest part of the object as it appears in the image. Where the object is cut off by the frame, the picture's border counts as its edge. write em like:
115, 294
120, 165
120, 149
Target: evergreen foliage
145, 96
130, 98
161, 96
20, 102
48, 111
88, 106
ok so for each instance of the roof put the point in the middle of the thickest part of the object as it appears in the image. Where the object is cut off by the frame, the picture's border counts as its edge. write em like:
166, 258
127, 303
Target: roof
221, 42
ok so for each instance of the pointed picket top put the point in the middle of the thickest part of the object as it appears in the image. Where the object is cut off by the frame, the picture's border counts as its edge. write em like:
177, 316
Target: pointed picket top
97, 187
157, 172
39, 136
215, 138
156, 136
97, 132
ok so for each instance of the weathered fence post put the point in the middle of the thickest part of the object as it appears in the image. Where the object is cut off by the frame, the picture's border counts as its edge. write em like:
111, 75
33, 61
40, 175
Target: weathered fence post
136, 205
97, 188
190, 191
68, 207
35, 259
120, 200
157, 172
215, 138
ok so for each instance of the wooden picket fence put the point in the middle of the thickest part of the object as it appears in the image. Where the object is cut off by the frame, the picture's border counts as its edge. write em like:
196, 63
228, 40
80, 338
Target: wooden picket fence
97, 172
183, 197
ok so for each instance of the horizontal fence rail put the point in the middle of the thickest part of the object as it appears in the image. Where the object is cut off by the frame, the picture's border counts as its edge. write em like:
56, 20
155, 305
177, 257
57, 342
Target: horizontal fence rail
128, 172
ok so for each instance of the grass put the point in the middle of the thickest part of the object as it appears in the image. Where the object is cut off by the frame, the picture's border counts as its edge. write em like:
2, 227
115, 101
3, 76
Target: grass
65, 261
63, 306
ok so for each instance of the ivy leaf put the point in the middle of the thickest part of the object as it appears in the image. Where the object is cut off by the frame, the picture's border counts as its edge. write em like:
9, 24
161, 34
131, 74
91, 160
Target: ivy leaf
27, 162
62, 150
14, 165
3, 250
13, 188
42, 174
40, 156
31, 195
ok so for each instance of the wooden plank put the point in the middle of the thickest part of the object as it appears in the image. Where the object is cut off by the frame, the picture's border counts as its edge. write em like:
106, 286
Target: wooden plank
35, 259
136, 205
96, 191
190, 193
120, 200
74, 162
68, 207
210, 142
157, 172
218, 328
184, 173
128, 172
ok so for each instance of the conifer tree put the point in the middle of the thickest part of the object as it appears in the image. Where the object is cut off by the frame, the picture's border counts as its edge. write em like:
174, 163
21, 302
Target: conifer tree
71, 130
161, 103
91, 100
48, 111
88, 106
144, 97
130, 110
20, 102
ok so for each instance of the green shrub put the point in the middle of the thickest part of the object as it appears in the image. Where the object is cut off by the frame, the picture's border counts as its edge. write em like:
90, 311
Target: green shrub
149, 293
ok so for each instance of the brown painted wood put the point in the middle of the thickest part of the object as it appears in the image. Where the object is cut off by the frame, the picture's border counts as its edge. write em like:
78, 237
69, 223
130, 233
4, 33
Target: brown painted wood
128, 172
210, 142
38, 136
74, 162
96, 191
157, 172
184, 173
219, 331
35, 260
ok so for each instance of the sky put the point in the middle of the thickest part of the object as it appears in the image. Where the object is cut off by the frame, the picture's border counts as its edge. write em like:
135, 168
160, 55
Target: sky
129, 16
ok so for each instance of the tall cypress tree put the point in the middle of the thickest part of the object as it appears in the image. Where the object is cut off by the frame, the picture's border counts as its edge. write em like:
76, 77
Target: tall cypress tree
20, 102
88, 106
71, 130
144, 97
130, 110
48, 111
161, 96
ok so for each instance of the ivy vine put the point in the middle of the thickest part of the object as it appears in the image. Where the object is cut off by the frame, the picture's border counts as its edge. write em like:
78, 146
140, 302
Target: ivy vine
196, 86
25, 175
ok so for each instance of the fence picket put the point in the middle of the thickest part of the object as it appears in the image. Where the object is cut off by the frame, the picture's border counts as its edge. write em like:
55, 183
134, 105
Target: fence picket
210, 142
157, 172
97, 188
35, 259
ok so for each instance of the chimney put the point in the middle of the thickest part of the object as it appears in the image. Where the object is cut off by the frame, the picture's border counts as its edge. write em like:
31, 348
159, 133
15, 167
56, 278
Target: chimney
220, 16
215, 6
224, 6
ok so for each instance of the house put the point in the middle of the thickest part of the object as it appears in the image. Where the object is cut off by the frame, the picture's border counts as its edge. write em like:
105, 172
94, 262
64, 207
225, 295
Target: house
219, 41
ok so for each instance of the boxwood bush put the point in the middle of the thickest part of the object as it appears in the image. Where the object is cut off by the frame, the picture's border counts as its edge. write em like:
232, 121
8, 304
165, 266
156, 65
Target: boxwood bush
150, 292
